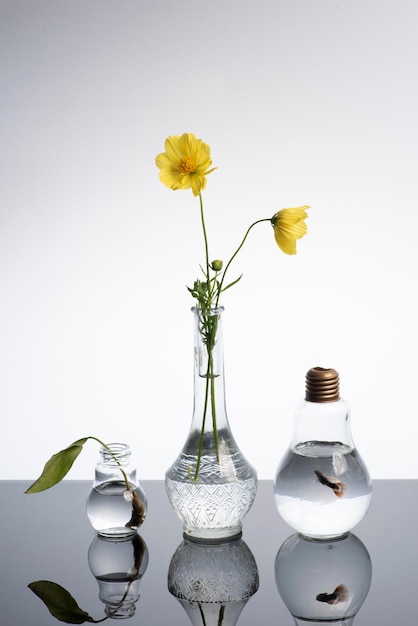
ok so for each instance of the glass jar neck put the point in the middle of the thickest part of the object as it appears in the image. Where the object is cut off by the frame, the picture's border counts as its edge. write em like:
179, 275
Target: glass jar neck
322, 421
209, 379
118, 454
115, 464
322, 416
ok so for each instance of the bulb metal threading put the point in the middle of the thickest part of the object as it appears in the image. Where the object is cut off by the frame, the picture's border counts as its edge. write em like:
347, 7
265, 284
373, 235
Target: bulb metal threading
322, 385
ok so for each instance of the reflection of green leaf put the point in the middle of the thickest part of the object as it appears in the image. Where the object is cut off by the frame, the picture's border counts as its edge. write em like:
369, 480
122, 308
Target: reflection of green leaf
57, 467
59, 602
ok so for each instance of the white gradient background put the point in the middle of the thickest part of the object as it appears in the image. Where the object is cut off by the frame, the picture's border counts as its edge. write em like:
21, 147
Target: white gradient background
302, 102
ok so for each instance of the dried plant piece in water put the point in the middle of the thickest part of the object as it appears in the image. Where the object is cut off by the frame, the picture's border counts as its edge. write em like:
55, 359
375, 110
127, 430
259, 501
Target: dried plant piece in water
331, 482
138, 509
340, 594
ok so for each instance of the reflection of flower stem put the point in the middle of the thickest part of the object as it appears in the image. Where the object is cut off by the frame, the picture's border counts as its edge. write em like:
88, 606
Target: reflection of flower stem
202, 615
220, 618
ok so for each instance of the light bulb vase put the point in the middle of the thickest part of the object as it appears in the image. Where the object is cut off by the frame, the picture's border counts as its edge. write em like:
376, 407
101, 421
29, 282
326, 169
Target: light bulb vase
322, 487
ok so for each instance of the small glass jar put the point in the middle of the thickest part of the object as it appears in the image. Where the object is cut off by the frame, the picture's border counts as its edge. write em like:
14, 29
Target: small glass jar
116, 504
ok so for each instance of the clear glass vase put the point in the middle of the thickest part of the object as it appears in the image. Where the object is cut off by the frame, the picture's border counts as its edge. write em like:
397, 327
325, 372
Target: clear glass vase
322, 487
211, 485
116, 504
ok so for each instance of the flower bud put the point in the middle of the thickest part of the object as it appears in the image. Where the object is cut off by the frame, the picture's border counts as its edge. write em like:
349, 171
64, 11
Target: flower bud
217, 265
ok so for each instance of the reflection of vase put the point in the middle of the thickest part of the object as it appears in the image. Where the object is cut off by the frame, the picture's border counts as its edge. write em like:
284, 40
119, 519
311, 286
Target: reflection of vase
213, 582
118, 565
211, 486
116, 504
323, 581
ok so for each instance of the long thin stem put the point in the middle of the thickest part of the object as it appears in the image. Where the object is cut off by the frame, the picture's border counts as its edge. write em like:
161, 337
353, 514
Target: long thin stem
212, 395
209, 326
202, 432
205, 237
266, 219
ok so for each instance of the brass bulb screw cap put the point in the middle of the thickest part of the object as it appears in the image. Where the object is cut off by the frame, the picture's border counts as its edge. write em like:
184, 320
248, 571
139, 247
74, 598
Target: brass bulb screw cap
322, 385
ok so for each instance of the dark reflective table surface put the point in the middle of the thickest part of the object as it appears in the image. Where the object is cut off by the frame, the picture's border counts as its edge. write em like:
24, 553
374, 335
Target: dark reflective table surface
47, 537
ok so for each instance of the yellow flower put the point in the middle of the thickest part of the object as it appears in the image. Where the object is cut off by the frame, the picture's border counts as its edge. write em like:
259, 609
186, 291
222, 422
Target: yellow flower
289, 225
185, 163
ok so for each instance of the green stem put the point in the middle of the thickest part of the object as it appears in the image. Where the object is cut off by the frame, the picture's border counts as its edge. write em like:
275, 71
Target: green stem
208, 331
128, 487
266, 219
202, 431
205, 237
212, 395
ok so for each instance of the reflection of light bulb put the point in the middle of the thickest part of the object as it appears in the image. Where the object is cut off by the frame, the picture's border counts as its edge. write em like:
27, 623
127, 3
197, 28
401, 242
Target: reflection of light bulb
323, 581
118, 565
213, 582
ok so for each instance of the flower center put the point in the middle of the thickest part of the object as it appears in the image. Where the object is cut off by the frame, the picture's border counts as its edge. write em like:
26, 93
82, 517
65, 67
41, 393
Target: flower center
187, 165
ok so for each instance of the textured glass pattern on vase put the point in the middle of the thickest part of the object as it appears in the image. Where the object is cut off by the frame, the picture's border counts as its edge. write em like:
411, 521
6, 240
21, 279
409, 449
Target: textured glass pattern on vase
323, 581
211, 485
213, 582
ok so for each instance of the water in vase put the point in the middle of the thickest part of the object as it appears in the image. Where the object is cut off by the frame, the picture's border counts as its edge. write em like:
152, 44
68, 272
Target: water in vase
322, 489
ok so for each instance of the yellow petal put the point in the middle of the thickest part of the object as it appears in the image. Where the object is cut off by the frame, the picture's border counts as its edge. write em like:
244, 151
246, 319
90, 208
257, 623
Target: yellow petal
181, 150
289, 225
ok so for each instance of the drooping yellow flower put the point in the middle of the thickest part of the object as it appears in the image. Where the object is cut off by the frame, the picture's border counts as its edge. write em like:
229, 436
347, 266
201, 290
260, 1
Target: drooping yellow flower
289, 225
185, 163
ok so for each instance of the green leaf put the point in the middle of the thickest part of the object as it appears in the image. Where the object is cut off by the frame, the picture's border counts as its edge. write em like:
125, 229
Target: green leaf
59, 602
57, 467
232, 284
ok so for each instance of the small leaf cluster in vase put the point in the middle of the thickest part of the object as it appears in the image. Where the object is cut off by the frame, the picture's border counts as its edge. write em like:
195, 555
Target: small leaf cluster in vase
185, 164
60, 464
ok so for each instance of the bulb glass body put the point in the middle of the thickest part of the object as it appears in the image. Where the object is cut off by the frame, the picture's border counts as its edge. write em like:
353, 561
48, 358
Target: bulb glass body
322, 487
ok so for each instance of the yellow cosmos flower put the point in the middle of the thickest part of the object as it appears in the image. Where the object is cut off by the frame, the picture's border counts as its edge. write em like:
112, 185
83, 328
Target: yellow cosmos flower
185, 163
289, 225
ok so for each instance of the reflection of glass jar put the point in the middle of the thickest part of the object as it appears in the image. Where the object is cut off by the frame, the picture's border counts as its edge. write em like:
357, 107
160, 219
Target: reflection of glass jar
322, 487
213, 582
118, 565
323, 581
116, 505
